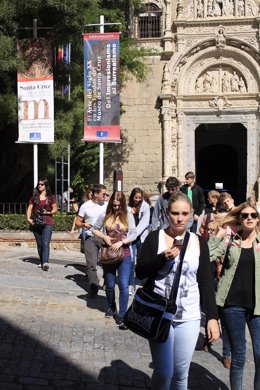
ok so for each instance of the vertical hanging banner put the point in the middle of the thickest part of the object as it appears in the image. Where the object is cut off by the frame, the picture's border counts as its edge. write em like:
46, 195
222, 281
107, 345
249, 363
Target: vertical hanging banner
101, 87
35, 92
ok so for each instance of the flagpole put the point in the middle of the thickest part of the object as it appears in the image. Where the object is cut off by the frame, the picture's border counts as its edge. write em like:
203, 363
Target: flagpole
101, 144
35, 146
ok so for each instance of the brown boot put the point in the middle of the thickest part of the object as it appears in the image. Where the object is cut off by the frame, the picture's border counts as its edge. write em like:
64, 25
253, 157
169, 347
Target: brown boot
226, 361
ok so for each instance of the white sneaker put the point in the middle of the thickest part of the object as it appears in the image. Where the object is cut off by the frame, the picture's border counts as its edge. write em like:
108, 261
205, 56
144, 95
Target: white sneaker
40, 266
45, 267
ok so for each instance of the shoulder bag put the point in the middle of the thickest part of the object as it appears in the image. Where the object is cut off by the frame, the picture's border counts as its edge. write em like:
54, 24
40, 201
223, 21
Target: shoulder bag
107, 256
150, 315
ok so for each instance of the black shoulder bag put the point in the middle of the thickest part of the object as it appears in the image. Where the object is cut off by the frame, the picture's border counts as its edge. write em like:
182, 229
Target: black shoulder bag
150, 315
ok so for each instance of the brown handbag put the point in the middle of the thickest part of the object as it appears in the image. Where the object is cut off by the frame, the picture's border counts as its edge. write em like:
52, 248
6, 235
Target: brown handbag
106, 256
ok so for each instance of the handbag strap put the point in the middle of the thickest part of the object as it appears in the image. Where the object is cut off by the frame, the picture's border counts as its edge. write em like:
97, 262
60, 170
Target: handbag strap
176, 281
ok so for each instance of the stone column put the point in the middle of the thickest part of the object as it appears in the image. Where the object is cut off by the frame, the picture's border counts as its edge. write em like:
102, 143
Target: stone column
180, 144
166, 140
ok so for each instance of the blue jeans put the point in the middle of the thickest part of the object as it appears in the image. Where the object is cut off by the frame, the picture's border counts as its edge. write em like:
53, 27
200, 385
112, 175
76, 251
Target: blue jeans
172, 359
123, 268
136, 249
235, 319
43, 239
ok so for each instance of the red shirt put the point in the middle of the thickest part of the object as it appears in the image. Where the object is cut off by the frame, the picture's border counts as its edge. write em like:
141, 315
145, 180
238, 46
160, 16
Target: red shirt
47, 205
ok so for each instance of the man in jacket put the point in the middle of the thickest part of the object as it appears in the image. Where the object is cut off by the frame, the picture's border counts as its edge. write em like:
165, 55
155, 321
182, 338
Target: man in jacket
196, 195
160, 216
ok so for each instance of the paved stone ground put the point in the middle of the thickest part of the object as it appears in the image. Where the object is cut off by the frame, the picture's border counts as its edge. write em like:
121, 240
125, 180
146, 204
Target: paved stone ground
53, 336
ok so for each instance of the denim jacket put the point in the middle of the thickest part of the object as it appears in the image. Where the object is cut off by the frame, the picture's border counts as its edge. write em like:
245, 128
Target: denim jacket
218, 247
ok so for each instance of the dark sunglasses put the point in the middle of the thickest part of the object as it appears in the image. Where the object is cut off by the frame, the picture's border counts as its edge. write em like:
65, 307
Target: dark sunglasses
41, 184
211, 230
176, 213
246, 215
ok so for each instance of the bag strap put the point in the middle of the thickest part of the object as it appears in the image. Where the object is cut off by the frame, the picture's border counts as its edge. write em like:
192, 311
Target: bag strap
175, 285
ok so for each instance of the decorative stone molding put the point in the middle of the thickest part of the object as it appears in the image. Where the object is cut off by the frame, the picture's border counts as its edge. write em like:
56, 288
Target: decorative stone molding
202, 9
220, 102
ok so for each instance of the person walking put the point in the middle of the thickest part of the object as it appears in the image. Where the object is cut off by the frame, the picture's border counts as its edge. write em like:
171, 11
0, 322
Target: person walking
117, 220
196, 196
42, 204
140, 210
158, 261
160, 216
238, 292
86, 218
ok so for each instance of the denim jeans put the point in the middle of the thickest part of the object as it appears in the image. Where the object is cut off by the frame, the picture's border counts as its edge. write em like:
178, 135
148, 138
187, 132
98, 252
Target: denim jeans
172, 359
235, 319
123, 269
136, 249
43, 239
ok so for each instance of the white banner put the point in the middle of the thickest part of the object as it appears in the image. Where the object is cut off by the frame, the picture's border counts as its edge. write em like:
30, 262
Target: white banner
35, 93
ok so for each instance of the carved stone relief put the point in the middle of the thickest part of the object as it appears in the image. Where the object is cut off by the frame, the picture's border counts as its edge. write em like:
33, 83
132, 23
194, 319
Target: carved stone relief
220, 80
198, 9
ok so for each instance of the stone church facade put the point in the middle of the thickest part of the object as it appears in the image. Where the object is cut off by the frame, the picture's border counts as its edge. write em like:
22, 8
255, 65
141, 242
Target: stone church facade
198, 109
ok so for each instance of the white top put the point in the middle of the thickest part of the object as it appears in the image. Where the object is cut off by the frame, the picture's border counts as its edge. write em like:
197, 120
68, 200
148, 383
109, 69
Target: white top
188, 296
90, 212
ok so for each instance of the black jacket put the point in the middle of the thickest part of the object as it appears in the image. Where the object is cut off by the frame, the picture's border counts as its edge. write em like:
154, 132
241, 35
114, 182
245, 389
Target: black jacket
198, 200
149, 263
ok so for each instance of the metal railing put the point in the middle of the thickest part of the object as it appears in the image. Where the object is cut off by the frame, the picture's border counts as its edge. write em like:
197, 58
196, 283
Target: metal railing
13, 218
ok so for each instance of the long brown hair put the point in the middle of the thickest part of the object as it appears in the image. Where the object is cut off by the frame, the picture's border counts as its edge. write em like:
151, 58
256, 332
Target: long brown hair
118, 216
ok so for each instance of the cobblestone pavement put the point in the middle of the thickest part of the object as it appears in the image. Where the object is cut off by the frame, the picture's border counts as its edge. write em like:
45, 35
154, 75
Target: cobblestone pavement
53, 336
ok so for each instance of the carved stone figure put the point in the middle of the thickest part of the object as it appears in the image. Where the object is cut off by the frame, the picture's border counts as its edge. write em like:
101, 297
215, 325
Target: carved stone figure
207, 82
226, 82
227, 8
251, 9
210, 8
220, 39
191, 10
200, 8
234, 82
214, 87
199, 85
242, 85
241, 8
216, 8
166, 84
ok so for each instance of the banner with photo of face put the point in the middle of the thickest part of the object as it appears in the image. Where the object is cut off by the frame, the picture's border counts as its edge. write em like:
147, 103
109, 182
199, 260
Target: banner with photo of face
101, 87
35, 92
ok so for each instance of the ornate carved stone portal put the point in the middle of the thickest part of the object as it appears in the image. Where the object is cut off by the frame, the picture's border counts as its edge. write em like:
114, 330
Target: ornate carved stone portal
213, 76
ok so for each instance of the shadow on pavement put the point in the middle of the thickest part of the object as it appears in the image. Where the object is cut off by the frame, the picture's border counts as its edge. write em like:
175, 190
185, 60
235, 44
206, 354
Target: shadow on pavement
26, 363
33, 260
121, 374
202, 379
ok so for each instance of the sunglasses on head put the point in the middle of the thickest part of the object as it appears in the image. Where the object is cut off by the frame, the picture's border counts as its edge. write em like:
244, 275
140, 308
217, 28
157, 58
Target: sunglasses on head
246, 215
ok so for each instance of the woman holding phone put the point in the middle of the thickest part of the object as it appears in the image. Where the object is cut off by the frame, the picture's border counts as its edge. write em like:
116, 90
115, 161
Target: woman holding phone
158, 261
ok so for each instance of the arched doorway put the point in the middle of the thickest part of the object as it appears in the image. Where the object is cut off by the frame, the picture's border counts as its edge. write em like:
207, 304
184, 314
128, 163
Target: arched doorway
221, 157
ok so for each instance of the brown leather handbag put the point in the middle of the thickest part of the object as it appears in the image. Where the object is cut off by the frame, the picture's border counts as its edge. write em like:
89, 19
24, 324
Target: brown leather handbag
106, 255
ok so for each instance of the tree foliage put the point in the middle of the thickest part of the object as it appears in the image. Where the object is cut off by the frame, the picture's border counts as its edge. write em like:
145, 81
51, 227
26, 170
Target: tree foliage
62, 21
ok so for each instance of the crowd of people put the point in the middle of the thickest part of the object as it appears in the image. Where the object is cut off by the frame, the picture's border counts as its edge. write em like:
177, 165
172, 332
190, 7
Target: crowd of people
220, 275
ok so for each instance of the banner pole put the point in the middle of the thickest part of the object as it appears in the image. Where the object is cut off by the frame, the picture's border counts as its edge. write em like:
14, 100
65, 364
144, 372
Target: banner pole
101, 144
35, 146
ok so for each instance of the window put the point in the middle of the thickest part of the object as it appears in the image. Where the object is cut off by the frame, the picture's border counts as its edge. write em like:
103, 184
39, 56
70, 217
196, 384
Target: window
149, 21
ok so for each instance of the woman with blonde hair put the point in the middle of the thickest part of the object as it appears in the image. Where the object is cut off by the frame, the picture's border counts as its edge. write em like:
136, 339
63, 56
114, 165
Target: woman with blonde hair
117, 221
238, 292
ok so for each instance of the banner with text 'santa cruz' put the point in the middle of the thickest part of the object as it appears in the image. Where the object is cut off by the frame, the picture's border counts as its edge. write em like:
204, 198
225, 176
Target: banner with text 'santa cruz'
35, 92
101, 87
